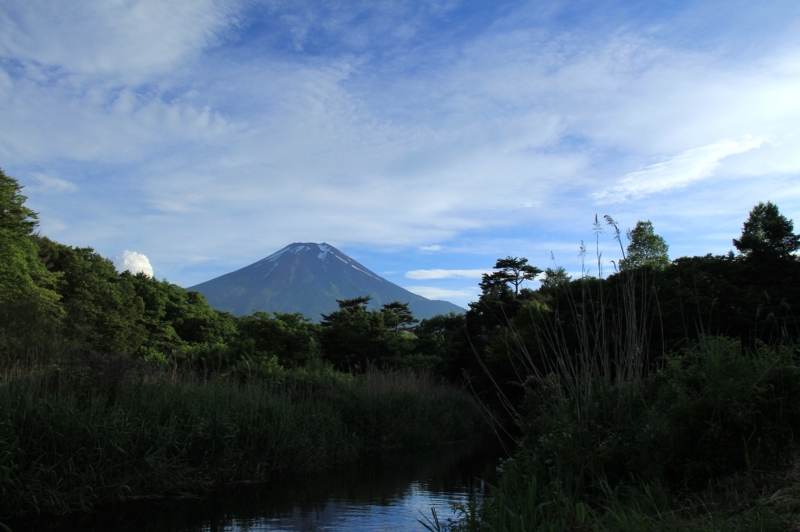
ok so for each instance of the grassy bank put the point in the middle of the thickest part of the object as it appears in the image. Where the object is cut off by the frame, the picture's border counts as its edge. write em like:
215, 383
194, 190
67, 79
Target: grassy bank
93, 429
707, 441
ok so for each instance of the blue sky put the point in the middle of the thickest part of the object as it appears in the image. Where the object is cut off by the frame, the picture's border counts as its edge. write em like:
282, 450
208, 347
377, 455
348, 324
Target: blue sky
424, 139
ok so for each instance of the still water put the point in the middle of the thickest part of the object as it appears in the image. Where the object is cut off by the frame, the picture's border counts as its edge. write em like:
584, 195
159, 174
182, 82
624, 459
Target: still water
379, 493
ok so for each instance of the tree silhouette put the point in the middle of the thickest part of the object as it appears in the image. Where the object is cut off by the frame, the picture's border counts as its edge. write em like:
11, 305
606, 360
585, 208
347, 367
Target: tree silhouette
767, 234
511, 270
554, 277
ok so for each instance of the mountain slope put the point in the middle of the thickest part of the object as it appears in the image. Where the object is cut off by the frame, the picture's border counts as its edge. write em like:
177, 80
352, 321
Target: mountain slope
309, 278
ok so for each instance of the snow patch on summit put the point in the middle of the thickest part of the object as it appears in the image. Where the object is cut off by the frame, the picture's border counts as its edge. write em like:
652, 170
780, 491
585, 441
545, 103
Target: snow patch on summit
273, 256
324, 250
288, 249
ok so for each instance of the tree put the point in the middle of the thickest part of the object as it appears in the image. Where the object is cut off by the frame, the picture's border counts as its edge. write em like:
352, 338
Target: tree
290, 338
554, 277
767, 234
29, 307
352, 335
355, 336
511, 270
175, 317
444, 336
398, 317
14, 215
102, 307
645, 249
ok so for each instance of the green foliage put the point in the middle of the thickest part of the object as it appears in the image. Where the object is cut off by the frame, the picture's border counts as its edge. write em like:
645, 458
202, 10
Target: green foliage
767, 234
290, 339
749, 300
645, 249
397, 316
355, 337
29, 307
97, 429
617, 461
176, 318
554, 277
101, 309
717, 409
351, 335
445, 338
498, 303
638, 412
14, 215
510, 271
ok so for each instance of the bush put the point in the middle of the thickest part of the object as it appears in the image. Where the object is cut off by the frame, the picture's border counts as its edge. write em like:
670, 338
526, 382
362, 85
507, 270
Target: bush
716, 410
720, 408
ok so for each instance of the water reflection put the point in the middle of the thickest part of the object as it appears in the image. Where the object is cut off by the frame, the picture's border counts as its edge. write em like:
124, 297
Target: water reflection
379, 493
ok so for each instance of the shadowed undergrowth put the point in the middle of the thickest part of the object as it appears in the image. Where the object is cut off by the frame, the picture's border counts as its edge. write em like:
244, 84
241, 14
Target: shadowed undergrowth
617, 437
97, 429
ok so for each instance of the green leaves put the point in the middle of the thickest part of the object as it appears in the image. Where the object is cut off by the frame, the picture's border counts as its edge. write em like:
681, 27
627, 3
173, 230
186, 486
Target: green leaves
645, 249
101, 308
14, 216
355, 336
767, 234
554, 277
29, 306
511, 270
291, 338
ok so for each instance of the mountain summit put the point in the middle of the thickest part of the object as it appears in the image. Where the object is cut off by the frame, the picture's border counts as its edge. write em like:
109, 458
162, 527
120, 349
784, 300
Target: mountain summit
309, 278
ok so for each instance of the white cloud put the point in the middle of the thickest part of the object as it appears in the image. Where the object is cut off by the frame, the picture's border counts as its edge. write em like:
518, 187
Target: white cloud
133, 262
225, 149
429, 249
430, 292
128, 39
446, 274
49, 184
676, 172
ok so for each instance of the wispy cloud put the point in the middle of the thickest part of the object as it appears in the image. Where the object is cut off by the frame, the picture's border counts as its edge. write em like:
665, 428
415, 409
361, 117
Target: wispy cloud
429, 249
129, 40
213, 130
446, 274
676, 172
431, 292
49, 184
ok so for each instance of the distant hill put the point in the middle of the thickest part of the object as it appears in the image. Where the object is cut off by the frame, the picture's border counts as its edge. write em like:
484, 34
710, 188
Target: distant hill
309, 278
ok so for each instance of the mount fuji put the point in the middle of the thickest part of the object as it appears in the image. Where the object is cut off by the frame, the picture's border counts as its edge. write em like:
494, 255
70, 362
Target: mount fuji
309, 278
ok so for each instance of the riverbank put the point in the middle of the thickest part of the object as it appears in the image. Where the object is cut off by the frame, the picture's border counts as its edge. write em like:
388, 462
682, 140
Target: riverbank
103, 430
705, 442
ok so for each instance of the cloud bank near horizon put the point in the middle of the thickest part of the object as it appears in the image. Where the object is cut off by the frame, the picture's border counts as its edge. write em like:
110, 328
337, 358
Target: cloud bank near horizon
446, 274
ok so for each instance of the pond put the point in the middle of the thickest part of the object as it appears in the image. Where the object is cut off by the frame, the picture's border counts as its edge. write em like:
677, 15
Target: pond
385, 492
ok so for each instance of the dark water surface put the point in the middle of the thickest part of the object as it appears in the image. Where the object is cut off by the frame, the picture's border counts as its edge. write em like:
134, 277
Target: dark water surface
379, 493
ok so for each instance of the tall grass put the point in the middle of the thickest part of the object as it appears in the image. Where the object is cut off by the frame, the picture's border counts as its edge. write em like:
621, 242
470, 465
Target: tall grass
616, 437
97, 429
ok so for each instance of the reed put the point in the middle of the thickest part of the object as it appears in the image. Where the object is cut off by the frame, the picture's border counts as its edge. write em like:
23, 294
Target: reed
82, 433
619, 437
